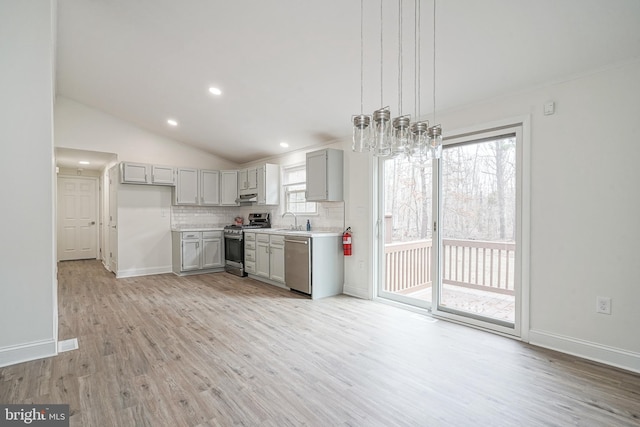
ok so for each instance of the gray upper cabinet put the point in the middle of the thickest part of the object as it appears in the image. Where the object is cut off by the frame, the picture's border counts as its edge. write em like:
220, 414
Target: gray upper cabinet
186, 192
134, 173
209, 188
162, 175
325, 175
248, 181
229, 188
206, 187
142, 173
268, 183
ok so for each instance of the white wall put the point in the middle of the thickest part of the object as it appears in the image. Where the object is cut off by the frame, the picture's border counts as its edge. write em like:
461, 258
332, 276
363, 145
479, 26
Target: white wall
82, 127
585, 210
144, 230
28, 299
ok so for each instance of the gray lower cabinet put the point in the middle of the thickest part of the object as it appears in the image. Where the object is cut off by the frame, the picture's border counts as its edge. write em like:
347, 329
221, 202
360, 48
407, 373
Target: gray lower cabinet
266, 260
269, 257
196, 252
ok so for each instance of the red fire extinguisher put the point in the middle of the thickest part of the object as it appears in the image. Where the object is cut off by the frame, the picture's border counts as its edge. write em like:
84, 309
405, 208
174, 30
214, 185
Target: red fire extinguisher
346, 242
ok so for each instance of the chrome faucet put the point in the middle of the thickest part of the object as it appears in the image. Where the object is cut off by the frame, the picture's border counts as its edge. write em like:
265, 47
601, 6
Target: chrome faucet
295, 218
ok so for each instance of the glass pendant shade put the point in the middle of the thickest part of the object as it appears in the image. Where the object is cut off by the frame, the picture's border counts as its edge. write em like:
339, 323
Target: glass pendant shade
435, 141
420, 153
419, 135
401, 140
361, 133
382, 132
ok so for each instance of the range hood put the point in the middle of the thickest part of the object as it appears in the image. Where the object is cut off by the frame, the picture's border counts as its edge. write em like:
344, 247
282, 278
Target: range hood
246, 199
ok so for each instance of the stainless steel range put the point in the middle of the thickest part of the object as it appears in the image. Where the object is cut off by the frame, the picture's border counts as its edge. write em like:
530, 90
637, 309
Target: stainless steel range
234, 242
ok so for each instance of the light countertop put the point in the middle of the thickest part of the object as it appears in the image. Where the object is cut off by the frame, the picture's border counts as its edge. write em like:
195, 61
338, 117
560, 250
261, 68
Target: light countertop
198, 228
289, 232
282, 231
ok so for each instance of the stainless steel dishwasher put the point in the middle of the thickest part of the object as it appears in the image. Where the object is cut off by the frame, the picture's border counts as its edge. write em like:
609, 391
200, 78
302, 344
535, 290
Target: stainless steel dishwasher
297, 263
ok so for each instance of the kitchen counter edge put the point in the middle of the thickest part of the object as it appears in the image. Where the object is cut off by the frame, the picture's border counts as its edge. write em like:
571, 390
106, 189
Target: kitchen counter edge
187, 229
303, 233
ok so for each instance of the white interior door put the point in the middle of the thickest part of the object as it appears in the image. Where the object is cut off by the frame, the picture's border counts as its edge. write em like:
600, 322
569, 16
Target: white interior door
77, 218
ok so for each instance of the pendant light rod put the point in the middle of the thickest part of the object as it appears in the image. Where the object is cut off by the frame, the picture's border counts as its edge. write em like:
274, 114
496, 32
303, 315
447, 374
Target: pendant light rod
416, 6
361, 56
381, 54
434, 62
400, 57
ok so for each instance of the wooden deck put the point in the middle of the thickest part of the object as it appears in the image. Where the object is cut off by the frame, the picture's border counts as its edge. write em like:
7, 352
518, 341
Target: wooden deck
477, 276
483, 303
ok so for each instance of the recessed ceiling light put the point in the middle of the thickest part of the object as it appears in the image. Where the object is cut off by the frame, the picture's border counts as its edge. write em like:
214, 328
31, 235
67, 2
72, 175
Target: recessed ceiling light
84, 162
284, 145
215, 91
172, 122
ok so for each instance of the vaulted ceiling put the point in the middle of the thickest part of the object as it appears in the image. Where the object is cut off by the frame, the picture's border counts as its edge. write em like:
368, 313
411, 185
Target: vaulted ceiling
289, 70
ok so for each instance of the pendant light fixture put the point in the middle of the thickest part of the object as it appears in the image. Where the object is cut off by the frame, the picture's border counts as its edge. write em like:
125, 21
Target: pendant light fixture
377, 133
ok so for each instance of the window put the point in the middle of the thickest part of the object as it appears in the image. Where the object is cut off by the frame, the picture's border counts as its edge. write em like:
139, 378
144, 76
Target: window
295, 183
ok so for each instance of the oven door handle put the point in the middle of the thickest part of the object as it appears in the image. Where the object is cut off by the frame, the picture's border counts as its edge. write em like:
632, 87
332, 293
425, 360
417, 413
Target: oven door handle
233, 237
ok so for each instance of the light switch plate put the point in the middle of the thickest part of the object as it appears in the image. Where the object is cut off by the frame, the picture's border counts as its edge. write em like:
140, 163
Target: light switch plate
549, 108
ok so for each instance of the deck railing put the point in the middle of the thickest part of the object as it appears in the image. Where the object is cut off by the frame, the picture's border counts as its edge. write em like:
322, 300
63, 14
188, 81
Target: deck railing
407, 265
475, 264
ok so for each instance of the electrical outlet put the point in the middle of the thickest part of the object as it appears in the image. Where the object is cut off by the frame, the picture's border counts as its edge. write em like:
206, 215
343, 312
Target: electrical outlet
603, 305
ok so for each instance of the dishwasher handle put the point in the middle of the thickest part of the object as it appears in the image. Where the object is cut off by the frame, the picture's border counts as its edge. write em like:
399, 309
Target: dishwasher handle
303, 242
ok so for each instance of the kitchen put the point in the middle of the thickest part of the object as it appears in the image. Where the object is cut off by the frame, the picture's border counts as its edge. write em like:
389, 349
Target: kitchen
273, 114
61, 91
147, 214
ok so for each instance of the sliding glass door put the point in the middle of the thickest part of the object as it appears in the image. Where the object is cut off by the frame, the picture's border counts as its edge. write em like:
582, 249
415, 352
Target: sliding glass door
407, 233
451, 231
478, 229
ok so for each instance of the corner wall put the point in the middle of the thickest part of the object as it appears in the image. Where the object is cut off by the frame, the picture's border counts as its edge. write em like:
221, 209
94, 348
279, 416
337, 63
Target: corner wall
28, 288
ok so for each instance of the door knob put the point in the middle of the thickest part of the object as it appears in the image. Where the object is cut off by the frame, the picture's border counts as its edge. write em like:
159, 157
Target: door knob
92, 223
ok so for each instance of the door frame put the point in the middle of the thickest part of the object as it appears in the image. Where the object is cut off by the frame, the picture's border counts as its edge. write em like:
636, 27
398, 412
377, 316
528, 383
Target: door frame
523, 236
96, 181
519, 126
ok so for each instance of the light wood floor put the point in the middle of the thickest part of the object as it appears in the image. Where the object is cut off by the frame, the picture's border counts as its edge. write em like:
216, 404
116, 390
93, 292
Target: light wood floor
217, 350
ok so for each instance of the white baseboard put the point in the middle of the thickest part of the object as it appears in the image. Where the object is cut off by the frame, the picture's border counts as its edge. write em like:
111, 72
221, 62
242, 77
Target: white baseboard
617, 357
135, 272
67, 345
27, 352
354, 291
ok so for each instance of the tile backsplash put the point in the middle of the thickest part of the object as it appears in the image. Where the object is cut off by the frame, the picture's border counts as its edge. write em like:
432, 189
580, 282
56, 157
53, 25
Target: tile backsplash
202, 216
330, 216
